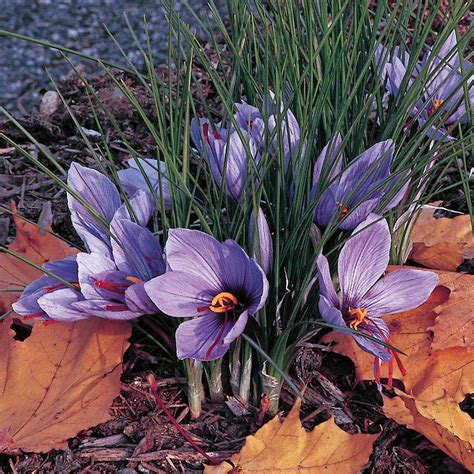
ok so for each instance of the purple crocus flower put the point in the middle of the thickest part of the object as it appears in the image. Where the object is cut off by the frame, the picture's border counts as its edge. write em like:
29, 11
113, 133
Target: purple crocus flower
133, 178
357, 191
217, 282
443, 92
261, 242
225, 153
107, 282
252, 120
364, 296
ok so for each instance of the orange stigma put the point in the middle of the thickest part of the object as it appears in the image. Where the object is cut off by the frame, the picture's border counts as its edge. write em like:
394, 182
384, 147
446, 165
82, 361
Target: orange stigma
344, 209
437, 103
223, 302
359, 315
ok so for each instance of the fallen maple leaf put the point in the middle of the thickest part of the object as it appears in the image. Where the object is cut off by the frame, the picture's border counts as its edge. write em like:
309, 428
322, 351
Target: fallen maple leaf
437, 338
442, 243
62, 379
287, 447
36, 244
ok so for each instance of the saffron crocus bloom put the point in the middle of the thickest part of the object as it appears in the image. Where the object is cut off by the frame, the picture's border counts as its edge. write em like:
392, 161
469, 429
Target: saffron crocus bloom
443, 92
135, 178
252, 120
364, 296
217, 282
261, 241
360, 188
225, 153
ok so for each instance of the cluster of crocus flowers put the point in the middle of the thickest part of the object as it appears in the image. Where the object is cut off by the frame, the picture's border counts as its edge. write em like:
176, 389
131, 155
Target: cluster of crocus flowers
365, 186
216, 284
366, 294
122, 254
231, 149
443, 101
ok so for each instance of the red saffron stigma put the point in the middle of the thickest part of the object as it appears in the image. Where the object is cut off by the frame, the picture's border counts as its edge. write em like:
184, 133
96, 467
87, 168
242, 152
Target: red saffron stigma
116, 307
50, 289
377, 370
111, 286
205, 131
200, 309
390, 373
218, 337
216, 134
34, 315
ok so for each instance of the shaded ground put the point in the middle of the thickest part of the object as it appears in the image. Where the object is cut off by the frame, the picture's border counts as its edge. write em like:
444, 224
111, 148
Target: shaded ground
77, 25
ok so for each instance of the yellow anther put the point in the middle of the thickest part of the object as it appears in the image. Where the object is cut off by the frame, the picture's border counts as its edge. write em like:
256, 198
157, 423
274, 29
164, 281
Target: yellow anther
223, 302
360, 316
133, 279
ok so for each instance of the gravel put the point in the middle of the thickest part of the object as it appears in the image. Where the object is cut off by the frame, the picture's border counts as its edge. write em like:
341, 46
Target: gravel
76, 24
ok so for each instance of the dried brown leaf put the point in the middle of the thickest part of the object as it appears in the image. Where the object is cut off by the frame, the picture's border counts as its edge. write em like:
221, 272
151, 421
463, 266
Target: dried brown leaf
442, 243
62, 379
287, 447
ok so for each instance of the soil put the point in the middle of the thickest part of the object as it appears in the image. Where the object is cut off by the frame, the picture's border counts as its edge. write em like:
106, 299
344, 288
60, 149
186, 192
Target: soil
139, 438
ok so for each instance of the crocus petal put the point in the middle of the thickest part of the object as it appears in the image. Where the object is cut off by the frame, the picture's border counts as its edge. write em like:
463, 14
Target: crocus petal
202, 338
363, 259
65, 268
434, 133
136, 250
243, 275
395, 180
395, 71
326, 207
358, 214
59, 305
91, 264
234, 164
330, 160
381, 332
262, 242
237, 329
102, 196
329, 313
245, 116
133, 178
325, 282
196, 131
181, 294
399, 291
358, 180
137, 299
448, 51
106, 309
195, 252
143, 205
